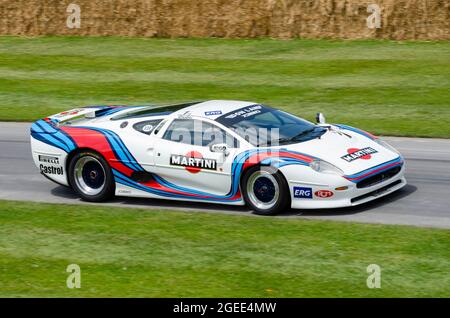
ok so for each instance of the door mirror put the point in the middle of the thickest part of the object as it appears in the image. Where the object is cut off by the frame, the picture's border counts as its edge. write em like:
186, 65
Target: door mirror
223, 148
320, 119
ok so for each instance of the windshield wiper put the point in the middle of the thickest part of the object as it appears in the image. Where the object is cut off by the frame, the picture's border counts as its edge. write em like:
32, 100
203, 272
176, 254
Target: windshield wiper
289, 139
293, 138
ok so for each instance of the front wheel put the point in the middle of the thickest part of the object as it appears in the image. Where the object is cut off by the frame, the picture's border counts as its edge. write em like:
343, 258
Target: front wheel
265, 190
91, 177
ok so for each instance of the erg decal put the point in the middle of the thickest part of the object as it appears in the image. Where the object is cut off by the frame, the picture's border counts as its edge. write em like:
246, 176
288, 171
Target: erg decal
213, 113
301, 192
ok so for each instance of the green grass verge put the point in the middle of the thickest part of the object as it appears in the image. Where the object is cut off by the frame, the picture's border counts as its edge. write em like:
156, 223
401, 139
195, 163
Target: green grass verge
148, 253
395, 88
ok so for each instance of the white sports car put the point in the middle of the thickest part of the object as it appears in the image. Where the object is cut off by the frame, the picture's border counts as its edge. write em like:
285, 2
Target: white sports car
228, 152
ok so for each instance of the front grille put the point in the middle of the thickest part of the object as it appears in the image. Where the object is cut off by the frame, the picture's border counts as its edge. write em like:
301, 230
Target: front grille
376, 192
378, 178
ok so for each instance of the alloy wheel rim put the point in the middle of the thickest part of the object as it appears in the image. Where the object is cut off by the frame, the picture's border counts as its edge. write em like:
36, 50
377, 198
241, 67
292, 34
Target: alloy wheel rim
263, 190
90, 175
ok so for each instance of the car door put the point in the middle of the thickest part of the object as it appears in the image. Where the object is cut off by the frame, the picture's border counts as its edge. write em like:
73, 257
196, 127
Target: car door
183, 156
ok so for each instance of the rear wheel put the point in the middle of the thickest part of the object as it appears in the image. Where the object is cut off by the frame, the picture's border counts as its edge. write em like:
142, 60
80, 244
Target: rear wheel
91, 177
265, 190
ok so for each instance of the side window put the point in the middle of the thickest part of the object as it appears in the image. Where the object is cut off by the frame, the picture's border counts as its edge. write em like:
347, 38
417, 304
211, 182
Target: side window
214, 135
180, 130
146, 127
199, 133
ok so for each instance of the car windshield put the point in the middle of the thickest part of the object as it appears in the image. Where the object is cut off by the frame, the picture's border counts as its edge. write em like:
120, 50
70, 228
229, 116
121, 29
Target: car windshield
263, 126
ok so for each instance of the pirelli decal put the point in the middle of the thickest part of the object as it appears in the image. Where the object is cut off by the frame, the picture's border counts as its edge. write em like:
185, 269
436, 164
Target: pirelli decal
49, 159
192, 163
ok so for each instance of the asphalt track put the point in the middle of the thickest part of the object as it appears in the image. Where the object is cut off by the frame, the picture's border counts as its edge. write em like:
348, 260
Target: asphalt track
424, 202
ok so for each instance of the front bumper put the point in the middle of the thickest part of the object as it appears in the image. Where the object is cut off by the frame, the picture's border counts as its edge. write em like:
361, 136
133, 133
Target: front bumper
352, 196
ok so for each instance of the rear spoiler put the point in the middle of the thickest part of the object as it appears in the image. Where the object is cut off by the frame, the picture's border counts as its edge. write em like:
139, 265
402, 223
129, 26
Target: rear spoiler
49, 125
87, 112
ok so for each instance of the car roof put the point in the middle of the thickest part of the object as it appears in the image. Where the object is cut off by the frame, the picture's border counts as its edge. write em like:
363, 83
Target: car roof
207, 109
212, 109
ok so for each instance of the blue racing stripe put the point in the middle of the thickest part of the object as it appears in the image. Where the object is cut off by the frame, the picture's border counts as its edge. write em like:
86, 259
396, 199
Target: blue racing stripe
53, 133
48, 139
128, 156
356, 130
118, 147
396, 161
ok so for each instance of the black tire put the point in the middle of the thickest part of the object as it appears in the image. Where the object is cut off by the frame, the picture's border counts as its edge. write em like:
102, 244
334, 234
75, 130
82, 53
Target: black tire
257, 195
91, 177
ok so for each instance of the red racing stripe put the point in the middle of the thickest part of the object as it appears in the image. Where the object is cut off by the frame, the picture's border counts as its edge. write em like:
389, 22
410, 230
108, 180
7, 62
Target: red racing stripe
257, 158
375, 171
88, 138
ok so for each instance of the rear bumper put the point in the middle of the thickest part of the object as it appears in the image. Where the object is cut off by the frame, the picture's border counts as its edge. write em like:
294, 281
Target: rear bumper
51, 161
345, 198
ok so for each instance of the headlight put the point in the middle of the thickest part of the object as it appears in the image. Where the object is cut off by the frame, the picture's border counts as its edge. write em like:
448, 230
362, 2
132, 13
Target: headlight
325, 167
386, 145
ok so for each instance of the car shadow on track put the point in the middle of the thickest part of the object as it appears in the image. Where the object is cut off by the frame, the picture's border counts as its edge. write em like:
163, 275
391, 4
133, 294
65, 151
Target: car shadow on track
67, 193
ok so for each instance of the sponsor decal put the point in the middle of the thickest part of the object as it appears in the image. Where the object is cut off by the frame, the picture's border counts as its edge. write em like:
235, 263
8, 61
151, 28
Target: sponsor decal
242, 114
305, 193
245, 112
69, 113
49, 159
213, 113
51, 170
193, 162
324, 194
356, 153
185, 115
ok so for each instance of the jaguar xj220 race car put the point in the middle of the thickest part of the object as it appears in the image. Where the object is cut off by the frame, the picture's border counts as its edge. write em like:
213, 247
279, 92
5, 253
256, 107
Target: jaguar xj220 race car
227, 152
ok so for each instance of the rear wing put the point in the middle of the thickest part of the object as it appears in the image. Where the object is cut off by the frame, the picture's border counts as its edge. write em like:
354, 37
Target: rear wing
89, 112
50, 125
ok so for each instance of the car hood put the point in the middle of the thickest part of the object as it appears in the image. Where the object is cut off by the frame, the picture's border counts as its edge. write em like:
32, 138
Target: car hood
349, 151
